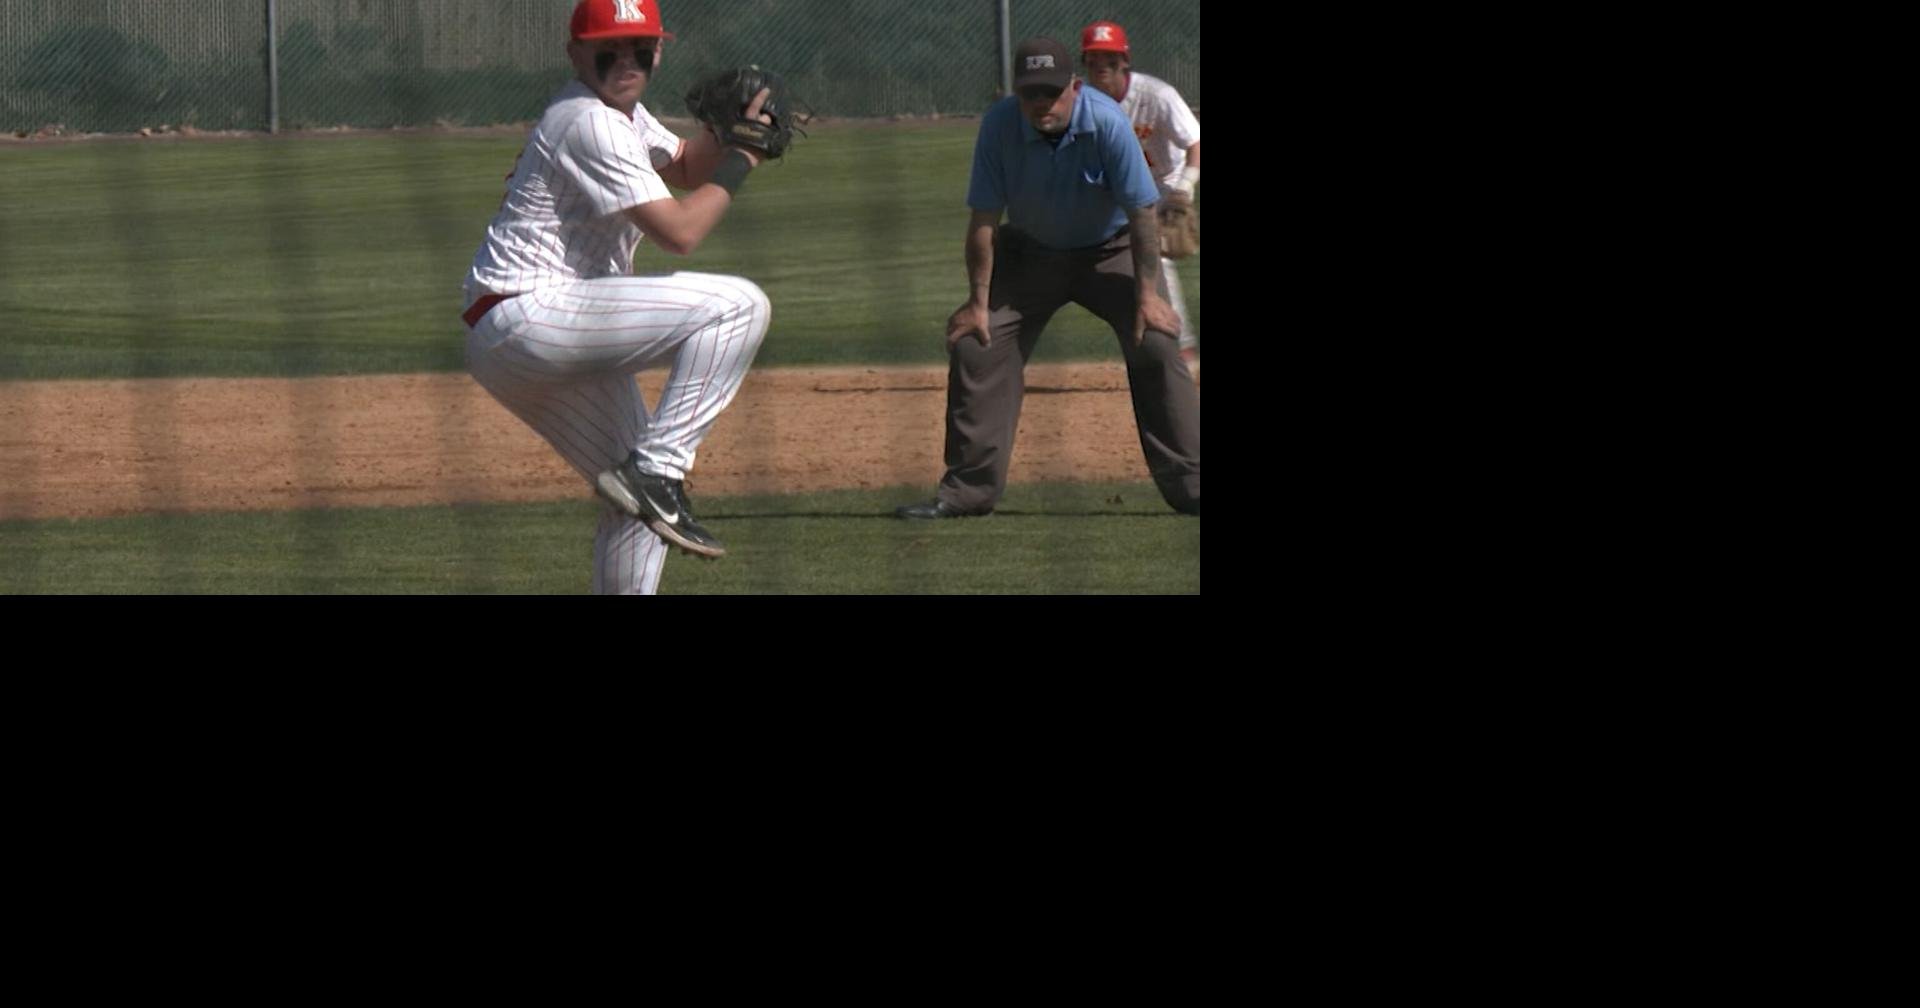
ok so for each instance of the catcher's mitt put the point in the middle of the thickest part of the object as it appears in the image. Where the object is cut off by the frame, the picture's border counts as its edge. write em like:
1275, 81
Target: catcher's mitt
1179, 226
721, 100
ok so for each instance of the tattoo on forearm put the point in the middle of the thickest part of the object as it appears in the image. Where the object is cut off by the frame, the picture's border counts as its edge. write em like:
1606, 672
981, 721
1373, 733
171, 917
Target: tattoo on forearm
1145, 226
979, 260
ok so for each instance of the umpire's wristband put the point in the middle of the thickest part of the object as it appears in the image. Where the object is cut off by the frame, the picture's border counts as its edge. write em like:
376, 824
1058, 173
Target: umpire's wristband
732, 171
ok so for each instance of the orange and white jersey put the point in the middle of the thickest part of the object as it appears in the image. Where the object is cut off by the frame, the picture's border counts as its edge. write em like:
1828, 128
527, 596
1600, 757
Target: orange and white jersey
562, 220
1163, 122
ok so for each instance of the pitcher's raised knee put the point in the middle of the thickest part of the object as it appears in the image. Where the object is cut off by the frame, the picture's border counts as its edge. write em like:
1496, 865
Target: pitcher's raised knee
751, 302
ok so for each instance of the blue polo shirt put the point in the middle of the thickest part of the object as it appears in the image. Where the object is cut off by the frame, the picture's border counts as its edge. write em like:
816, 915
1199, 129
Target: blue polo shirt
1070, 196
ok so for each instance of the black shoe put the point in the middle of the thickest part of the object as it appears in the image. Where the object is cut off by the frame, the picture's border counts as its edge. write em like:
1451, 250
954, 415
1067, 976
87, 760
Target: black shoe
935, 508
660, 502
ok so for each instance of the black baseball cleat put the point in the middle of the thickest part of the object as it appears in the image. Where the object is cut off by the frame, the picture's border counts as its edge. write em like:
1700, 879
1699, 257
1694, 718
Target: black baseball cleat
935, 508
659, 501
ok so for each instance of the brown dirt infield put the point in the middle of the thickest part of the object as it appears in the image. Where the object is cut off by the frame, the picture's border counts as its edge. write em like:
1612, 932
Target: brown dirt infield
79, 449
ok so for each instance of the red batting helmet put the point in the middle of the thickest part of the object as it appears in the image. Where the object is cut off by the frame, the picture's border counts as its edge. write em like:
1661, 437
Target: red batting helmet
1104, 36
598, 19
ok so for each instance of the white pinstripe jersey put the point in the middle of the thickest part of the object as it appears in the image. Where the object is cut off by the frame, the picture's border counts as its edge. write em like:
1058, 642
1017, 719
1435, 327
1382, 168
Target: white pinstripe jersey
561, 219
1163, 122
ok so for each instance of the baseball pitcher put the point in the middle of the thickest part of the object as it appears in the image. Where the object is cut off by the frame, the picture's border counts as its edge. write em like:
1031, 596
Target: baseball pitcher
558, 325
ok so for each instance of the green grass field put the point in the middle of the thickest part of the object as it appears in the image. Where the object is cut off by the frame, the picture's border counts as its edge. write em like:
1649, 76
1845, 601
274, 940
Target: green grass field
1045, 539
345, 254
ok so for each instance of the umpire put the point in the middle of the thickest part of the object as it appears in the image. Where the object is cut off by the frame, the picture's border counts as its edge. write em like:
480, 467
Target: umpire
1060, 160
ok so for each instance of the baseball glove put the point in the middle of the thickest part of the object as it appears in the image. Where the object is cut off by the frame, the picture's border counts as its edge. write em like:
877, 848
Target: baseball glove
721, 100
1179, 226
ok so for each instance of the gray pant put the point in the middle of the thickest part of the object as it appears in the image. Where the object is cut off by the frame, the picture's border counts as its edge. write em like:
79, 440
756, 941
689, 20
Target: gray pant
985, 385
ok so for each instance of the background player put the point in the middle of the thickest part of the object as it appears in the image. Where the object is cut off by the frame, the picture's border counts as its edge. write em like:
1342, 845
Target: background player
1169, 135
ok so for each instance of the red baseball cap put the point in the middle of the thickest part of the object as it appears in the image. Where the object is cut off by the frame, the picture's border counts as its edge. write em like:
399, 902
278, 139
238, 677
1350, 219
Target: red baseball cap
1104, 36
598, 19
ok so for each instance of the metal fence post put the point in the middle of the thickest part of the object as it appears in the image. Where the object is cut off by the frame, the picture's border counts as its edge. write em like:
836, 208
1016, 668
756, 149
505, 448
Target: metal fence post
1006, 47
273, 66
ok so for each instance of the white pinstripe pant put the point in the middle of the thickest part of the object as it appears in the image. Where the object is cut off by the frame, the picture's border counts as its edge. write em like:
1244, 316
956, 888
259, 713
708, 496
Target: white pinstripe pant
562, 358
1170, 270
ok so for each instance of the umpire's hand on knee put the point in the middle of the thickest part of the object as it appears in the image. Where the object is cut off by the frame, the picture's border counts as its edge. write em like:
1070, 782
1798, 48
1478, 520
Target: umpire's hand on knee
1156, 314
969, 318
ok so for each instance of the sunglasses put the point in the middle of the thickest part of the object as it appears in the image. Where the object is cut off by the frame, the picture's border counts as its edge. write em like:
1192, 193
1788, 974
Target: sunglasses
643, 51
1035, 92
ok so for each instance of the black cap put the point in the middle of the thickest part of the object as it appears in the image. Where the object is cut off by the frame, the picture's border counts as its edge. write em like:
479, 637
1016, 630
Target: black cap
1041, 60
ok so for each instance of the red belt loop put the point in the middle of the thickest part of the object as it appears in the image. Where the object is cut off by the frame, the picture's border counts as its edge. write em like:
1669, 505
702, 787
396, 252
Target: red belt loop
481, 307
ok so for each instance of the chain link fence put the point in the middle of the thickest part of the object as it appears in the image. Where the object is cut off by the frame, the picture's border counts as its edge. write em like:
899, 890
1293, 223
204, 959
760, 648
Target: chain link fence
1165, 36
124, 65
